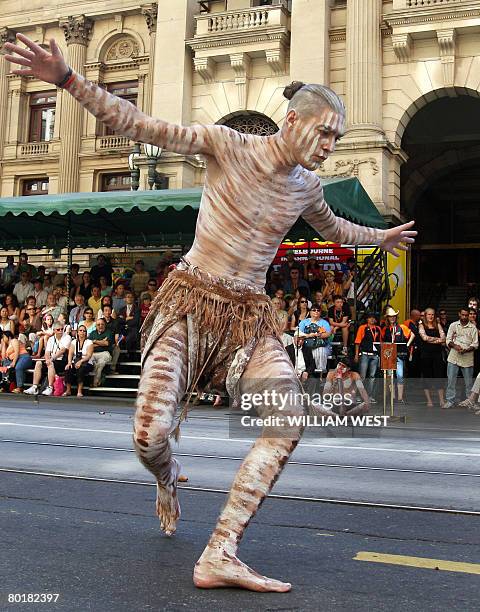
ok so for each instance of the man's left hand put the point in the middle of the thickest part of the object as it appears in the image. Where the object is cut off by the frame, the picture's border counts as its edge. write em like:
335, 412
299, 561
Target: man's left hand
398, 238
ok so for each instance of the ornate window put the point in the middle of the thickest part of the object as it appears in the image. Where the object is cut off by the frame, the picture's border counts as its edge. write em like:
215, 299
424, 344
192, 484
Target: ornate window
252, 123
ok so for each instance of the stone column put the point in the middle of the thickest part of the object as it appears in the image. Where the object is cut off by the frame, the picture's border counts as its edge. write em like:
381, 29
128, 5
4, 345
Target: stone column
364, 69
77, 32
172, 76
310, 43
6, 35
150, 11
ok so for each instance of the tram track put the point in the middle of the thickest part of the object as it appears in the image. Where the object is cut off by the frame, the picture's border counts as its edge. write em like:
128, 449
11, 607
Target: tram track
232, 458
315, 500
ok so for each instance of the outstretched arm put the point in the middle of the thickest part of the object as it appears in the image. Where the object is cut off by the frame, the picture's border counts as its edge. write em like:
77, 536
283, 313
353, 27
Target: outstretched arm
119, 115
321, 217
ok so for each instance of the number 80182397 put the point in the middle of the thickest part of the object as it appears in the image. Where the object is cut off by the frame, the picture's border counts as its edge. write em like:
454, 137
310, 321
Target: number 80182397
32, 597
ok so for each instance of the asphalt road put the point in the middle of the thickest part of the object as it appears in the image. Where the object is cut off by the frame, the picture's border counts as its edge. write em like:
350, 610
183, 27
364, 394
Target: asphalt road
97, 543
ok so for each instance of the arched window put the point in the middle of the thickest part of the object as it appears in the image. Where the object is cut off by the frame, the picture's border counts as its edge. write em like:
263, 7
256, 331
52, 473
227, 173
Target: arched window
252, 123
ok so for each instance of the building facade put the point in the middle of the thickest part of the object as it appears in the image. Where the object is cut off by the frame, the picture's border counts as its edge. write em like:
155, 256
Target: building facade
408, 71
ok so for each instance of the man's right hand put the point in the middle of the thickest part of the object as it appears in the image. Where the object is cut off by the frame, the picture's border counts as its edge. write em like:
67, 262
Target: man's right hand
41, 64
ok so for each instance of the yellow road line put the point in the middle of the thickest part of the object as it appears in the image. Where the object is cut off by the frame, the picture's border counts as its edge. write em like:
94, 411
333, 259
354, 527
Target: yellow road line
423, 562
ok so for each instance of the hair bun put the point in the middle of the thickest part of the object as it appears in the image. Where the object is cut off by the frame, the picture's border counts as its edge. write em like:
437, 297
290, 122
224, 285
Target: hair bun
291, 90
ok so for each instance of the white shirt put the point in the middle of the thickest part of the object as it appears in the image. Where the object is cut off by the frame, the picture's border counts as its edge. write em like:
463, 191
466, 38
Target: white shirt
54, 345
466, 336
87, 343
41, 297
22, 291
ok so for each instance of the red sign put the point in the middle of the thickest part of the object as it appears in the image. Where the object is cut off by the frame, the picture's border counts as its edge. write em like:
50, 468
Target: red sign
323, 252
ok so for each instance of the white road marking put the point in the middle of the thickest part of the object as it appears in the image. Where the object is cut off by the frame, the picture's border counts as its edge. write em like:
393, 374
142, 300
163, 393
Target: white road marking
302, 444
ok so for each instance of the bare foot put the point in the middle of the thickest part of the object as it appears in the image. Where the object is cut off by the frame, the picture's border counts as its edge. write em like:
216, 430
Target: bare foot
228, 571
168, 507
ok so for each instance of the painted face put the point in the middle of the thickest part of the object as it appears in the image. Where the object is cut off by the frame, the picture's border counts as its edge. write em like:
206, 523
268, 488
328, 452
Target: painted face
314, 137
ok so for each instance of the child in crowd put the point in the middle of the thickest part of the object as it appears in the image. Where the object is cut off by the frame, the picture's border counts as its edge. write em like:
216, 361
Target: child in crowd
145, 307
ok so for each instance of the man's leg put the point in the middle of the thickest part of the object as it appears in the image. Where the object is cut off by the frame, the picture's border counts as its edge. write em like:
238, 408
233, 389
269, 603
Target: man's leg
51, 375
37, 373
115, 356
467, 379
452, 373
219, 566
100, 361
372, 370
161, 389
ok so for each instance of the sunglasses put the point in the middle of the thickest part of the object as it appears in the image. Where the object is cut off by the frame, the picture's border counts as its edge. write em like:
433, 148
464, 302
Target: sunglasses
314, 309
303, 302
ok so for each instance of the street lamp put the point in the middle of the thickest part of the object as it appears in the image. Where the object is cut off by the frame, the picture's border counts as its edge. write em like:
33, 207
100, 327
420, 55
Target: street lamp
153, 153
134, 169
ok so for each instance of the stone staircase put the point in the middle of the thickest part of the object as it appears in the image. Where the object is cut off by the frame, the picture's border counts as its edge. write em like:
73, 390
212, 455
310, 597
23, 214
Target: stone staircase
455, 298
123, 384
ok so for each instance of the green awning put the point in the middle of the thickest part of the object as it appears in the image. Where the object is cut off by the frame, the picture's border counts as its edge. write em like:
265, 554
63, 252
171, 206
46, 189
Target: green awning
140, 218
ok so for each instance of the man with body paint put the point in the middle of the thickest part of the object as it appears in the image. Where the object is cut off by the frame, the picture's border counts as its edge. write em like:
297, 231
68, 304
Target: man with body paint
211, 320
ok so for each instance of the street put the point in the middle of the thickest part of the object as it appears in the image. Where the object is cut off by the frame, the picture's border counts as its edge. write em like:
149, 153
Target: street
78, 519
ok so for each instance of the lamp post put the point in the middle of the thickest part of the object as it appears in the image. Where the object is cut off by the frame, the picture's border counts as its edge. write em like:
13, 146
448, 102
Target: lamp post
153, 154
134, 169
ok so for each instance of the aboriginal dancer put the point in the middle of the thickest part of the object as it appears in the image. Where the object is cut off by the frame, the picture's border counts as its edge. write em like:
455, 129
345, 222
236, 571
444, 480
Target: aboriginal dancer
211, 319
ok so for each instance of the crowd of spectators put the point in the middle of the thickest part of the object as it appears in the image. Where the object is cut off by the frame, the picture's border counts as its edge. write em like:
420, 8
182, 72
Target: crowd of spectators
318, 315
66, 329
73, 329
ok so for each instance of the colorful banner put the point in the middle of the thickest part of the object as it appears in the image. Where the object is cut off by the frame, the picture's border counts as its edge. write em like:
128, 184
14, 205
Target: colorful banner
329, 254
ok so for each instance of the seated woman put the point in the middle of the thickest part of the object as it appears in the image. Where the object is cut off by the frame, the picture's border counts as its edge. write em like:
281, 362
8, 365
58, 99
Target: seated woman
31, 322
89, 320
79, 362
106, 301
6, 324
15, 357
331, 288
30, 301
43, 335
11, 303
301, 313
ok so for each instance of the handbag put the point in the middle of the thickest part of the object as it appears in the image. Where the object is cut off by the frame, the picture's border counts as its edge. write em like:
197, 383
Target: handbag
314, 343
58, 386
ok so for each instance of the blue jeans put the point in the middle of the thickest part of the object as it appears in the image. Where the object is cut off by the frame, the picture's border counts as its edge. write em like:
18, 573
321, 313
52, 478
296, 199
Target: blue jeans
400, 370
24, 362
452, 373
367, 369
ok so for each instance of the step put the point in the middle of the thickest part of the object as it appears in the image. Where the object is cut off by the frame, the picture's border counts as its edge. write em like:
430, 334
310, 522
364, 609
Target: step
117, 375
114, 390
